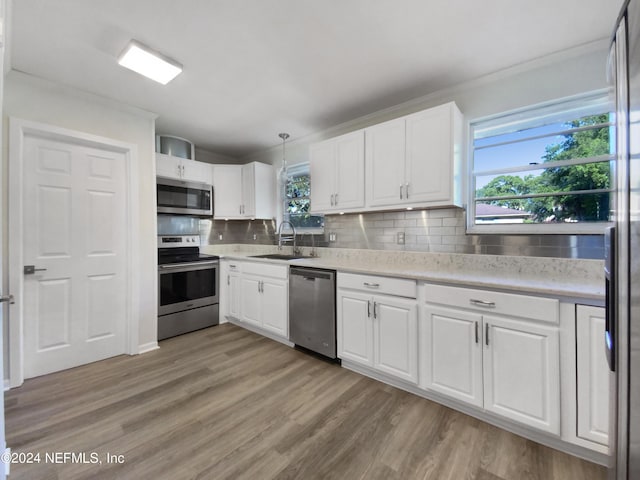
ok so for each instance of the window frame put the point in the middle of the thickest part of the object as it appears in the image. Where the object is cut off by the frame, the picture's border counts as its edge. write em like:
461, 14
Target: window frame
292, 170
529, 117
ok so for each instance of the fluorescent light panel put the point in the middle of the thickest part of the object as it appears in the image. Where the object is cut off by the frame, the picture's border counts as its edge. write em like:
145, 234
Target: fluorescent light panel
151, 64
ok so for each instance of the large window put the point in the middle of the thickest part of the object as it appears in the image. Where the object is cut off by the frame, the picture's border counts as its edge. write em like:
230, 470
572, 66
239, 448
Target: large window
297, 201
543, 169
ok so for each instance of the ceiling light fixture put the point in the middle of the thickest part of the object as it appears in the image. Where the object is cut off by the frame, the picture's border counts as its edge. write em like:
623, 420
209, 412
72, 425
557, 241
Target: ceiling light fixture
145, 61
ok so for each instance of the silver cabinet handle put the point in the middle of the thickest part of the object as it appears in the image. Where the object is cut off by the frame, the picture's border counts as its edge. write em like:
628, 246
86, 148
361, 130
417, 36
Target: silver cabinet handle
371, 285
486, 334
335, 196
228, 279
477, 332
7, 298
400, 192
406, 190
375, 307
233, 267
482, 303
369, 308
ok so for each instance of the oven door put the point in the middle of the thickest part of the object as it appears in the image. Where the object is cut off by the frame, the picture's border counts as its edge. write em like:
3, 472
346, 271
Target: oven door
183, 286
188, 198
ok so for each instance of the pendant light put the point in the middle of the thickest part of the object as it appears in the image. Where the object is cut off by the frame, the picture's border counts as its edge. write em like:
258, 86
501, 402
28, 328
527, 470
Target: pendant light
282, 174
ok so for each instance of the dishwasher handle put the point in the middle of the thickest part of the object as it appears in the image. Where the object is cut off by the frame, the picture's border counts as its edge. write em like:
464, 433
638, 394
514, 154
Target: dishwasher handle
311, 273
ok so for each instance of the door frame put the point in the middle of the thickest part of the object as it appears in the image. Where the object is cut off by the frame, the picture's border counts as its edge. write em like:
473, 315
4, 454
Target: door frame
18, 129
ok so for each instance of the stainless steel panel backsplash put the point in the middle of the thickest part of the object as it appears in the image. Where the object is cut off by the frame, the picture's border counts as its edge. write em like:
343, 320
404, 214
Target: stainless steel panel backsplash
441, 230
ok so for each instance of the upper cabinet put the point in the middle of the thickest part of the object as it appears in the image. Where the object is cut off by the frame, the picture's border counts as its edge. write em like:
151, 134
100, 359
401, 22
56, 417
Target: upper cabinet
337, 173
243, 191
415, 161
178, 168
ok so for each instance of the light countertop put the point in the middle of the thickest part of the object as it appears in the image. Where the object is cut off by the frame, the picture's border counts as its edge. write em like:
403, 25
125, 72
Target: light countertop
573, 279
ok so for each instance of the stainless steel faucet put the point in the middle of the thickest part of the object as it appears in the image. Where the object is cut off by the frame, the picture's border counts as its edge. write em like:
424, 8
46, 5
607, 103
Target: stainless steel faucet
287, 238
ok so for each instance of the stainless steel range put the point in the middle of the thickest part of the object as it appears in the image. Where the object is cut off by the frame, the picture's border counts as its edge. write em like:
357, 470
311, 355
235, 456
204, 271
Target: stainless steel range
187, 286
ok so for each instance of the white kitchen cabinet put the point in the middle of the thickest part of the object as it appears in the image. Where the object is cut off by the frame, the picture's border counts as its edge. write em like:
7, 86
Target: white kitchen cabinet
263, 297
377, 330
452, 353
229, 289
227, 191
337, 170
355, 329
493, 350
178, 168
521, 364
395, 333
243, 191
592, 375
415, 161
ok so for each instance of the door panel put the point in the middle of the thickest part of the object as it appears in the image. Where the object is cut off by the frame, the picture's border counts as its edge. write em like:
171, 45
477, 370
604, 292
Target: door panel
355, 329
385, 160
323, 176
453, 358
75, 211
250, 294
522, 372
350, 171
274, 307
396, 337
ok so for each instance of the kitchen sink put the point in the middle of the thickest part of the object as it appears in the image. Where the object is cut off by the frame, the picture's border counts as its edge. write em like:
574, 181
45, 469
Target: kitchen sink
277, 256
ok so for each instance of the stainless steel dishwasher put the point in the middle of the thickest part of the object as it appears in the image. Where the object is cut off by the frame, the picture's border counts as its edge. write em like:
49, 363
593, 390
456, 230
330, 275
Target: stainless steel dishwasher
312, 309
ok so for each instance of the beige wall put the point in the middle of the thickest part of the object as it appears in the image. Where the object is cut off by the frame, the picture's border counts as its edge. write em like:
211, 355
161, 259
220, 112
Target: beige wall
34, 99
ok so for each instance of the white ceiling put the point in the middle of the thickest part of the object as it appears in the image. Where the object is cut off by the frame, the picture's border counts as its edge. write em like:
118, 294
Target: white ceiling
253, 68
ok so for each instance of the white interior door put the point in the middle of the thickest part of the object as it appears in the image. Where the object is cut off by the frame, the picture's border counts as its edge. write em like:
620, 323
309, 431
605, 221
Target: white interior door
75, 223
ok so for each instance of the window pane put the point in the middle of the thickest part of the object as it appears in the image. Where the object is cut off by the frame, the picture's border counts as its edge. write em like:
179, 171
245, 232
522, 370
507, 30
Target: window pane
582, 144
298, 186
306, 220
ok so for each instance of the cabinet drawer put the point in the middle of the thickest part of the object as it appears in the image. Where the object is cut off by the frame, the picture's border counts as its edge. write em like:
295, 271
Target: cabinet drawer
375, 284
265, 269
535, 308
233, 266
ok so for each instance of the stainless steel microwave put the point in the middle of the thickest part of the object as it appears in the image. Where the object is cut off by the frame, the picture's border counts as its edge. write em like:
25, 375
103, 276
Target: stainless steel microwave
181, 197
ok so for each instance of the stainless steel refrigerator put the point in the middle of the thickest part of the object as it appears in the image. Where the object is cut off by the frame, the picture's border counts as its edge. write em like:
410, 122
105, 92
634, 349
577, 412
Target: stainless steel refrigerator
622, 336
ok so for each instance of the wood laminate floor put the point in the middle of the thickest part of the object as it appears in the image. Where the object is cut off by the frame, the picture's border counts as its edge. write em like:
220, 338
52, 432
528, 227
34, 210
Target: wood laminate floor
224, 403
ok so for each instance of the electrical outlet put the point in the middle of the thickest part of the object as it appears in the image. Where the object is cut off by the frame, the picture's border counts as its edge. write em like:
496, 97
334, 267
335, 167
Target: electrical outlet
255, 237
219, 236
333, 236
400, 238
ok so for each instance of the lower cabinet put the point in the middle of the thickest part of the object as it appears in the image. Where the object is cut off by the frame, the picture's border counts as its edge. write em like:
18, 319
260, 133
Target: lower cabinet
256, 294
506, 363
592, 375
376, 330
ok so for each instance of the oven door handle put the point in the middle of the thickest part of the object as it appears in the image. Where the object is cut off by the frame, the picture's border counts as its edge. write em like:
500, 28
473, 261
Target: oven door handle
188, 266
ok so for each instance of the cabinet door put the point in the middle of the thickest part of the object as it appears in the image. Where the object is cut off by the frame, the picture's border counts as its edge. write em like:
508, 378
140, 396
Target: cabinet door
395, 333
323, 176
451, 363
429, 161
168, 166
593, 375
196, 171
350, 171
248, 190
522, 372
385, 158
275, 307
227, 191
251, 300
233, 295
355, 328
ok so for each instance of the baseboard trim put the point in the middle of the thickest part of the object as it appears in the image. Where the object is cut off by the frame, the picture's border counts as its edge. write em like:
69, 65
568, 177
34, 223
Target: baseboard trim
147, 347
488, 417
260, 331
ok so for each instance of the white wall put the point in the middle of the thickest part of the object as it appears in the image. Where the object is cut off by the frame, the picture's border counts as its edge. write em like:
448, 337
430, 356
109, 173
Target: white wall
38, 100
212, 157
564, 74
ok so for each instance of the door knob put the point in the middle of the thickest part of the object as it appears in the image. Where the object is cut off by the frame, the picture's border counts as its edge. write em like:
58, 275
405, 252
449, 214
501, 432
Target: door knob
7, 298
31, 269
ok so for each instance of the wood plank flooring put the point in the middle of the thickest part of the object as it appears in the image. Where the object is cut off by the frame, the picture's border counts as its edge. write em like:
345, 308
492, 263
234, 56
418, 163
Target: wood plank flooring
224, 403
